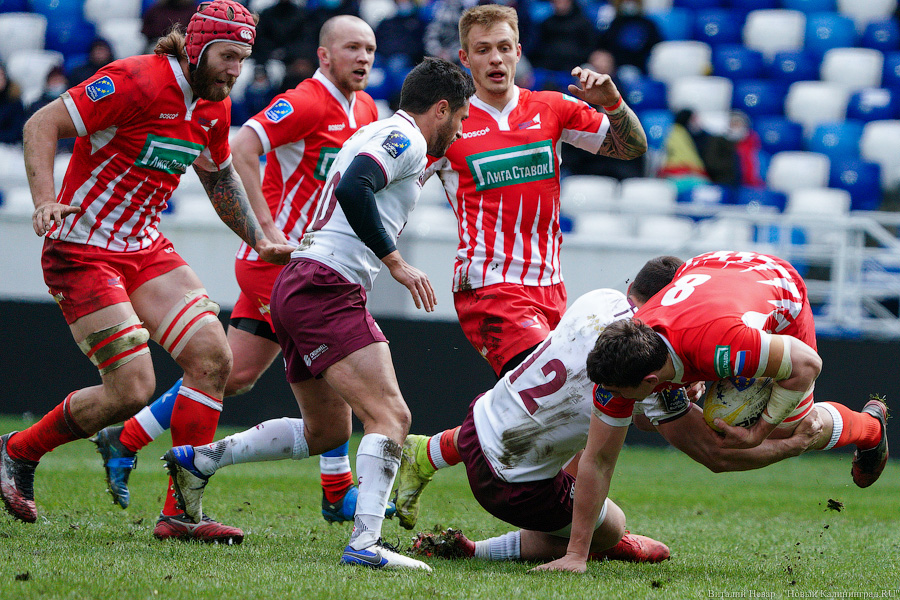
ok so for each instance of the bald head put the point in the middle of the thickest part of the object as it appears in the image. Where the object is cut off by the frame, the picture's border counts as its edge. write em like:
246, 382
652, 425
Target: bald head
340, 26
346, 52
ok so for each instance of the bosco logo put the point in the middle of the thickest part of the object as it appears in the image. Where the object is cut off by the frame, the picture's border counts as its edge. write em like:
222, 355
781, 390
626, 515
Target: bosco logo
246, 34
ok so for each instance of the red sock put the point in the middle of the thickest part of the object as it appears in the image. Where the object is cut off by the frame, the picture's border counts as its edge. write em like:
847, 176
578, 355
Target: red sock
55, 429
335, 486
133, 435
193, 423
861, 429
448, 447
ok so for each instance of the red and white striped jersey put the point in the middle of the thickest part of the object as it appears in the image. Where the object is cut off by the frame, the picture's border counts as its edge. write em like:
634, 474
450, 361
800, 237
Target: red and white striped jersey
139, 129
301, 132
502, 180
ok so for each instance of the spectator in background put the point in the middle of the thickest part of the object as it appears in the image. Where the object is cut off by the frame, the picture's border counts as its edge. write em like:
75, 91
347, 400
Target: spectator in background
55, 84
747, 147
12, 112
257, 96
442, 33
282, 33
631, 35
401, 37
683, 164
565, 38
159, 18
99, 55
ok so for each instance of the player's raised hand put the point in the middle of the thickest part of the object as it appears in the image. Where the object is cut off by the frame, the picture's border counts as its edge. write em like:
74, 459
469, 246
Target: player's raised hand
46, 215
594, 88
416, 281
277, 254
568, 563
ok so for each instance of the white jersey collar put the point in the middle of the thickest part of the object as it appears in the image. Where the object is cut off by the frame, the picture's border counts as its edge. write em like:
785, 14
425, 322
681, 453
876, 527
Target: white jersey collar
501, 116
405, 115
345, 104
189, 101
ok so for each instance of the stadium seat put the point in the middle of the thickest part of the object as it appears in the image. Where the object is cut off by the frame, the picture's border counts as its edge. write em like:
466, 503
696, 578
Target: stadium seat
374, 12
774, 30
697, 4
761, 197
12, 168
21, 31
606, 227
70, 36
820, 203
789, 171
670, 61
124, 35
380, 85
97, 11
890, 78
759, 97
14, 6
874, 104
58, 9
652, 6
701, 94
644, 94
539, 11
656, 124
745, 7
794, 65
648, 194
724, 232
836, 140
810, 6
880, 143
778, 134
864, 12
580, 194
862, 179
812, 102
825, 31
706, 195
670, 230
881, 35
675, 24
735, 62
29, 68
853, 68
718, 26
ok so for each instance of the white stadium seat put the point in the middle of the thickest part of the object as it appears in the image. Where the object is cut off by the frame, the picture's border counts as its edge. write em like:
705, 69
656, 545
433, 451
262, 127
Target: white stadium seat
433, 193
603, 227
12, 167
428, 220
670, 61
375, 11
21, 31
789, 171
880, 143
580, 194
774, 30
811, 103
669, 231
29, 69
98, 11
648, 194
701, 94
865, 11
853, 68
818, 202
124, 35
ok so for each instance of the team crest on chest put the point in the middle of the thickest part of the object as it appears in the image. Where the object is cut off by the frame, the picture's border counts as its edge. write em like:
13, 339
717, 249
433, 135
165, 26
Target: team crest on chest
279, 110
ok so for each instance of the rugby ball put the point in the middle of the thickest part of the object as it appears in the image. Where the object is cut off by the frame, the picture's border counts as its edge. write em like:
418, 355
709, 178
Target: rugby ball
738, 401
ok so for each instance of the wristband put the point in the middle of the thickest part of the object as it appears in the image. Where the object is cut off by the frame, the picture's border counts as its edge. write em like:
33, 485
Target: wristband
615, 107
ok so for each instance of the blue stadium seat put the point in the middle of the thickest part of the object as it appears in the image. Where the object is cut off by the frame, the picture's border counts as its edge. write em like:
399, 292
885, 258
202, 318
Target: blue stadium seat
737, 62
745, 6
699, 4
794, 65
69, 36
761, 196
645, 93
706, 195
825, 31
717, 26
14, 6
861, 178
545, 79
380, 85
836, 140
58, 9
891, 76
778, 134
759, 97
882, 35
674, 24
874, 104
810, 6
538, 11
656, 125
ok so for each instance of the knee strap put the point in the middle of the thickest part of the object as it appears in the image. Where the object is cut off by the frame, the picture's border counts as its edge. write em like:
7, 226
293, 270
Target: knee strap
189, 315
114, 346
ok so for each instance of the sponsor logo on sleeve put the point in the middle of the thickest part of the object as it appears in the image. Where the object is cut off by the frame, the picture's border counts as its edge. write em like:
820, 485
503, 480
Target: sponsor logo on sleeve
723, 361
101, 88
601, 396
279, 110
512, 166
396, 143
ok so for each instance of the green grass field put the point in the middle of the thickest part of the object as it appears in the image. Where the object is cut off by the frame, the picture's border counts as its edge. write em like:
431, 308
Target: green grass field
768, 533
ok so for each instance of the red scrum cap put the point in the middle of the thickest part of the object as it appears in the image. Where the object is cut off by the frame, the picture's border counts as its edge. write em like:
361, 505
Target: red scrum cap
218, 21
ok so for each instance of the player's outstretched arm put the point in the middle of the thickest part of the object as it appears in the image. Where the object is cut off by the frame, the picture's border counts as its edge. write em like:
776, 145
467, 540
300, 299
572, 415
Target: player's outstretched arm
230, 201
626, 138
595, 471
42, 131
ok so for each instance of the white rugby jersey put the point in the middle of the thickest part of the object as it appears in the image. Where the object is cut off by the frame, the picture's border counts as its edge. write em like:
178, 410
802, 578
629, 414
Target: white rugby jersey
398, 146
536, 418
502, 180
139, 129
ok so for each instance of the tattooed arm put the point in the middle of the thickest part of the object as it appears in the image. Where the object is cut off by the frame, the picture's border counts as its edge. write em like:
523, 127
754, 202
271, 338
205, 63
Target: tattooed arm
230, 201
626, 138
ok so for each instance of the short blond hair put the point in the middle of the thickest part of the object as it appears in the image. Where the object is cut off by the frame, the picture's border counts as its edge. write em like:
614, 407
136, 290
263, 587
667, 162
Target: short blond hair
487, 15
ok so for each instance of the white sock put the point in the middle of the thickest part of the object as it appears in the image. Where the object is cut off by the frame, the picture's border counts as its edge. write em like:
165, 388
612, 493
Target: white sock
377, 461
334, 465
838, 427
434, 452
272, 440
502, 547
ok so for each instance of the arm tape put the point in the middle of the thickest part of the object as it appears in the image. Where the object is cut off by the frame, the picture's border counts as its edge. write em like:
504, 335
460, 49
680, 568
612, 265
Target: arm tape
356, 195
782, 403
785, 368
